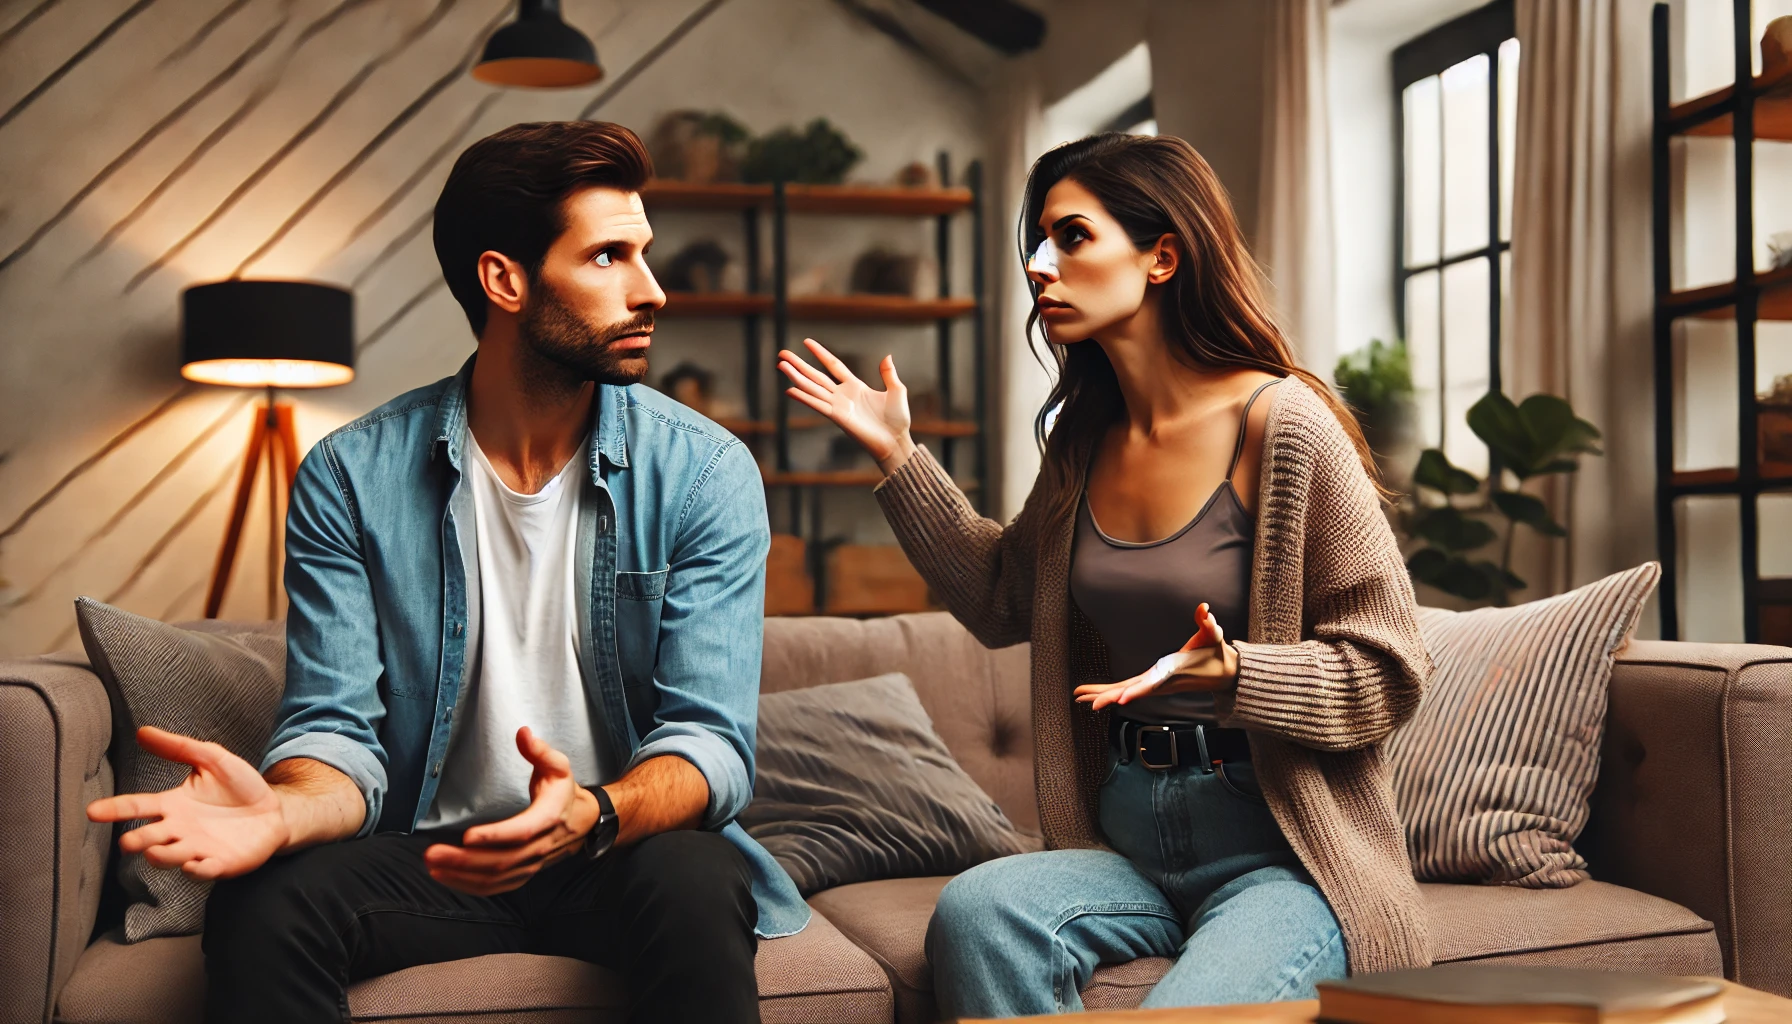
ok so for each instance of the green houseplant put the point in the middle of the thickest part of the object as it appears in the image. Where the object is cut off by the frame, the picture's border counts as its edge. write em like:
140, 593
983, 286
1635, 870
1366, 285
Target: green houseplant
1537, 437
1376, 382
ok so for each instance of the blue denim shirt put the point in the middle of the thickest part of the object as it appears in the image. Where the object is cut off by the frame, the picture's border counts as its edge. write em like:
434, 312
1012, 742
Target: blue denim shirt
380, 563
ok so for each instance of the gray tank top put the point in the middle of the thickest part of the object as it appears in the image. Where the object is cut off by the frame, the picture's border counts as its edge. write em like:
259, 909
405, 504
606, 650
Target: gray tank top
1142, 596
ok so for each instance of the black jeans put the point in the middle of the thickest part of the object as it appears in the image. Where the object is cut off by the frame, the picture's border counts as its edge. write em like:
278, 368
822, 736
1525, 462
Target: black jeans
674, 915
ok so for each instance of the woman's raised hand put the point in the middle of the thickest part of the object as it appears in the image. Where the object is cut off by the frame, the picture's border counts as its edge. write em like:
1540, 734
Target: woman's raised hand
878, 420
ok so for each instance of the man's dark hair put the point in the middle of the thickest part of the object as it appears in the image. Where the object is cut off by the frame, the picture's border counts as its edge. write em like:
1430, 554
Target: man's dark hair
505, 194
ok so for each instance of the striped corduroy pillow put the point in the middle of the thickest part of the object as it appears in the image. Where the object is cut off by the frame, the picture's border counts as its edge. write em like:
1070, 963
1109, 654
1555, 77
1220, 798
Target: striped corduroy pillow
1493, 772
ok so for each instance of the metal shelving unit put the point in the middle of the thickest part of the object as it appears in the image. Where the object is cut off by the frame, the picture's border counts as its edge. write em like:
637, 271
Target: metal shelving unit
1752, 108
780, 201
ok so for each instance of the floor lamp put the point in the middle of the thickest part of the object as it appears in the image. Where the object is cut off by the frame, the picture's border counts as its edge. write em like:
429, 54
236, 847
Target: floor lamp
265, 334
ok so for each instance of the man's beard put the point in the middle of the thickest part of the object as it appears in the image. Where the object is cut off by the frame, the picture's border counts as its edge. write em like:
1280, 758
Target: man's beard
571, 350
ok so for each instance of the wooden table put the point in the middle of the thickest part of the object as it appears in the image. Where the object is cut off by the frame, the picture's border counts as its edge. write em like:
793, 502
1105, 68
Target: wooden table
1741, 1006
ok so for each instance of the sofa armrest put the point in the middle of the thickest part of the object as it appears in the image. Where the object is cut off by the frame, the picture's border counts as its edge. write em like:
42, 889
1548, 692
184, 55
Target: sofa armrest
1694, 800
55, 728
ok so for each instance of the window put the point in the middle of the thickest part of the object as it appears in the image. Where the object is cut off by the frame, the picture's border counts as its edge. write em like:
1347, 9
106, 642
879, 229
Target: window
1456, 105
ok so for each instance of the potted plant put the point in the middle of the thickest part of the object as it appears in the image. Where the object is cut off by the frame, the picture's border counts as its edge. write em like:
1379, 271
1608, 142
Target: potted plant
1451, 507
1376, 382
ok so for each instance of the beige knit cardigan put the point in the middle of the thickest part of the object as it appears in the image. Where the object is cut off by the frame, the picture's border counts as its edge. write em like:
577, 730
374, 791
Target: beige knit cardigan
1332, 663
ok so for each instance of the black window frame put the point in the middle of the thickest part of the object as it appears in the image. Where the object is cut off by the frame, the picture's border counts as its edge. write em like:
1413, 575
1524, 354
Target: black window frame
1480, 31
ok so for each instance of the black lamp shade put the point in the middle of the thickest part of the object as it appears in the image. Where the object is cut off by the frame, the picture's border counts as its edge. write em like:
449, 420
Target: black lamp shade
252, 334
538, 51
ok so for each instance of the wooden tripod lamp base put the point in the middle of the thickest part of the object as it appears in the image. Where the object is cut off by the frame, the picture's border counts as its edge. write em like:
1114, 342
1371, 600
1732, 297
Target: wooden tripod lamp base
271, 440
265, 334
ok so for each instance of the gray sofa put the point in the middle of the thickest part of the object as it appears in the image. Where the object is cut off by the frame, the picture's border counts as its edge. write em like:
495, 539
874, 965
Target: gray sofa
1691, 843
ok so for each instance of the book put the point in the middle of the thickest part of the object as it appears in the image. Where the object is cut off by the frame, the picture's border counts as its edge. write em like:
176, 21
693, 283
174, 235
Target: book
1501, 994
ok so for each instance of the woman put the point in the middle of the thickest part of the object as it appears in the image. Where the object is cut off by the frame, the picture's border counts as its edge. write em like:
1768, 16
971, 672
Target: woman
1219, 802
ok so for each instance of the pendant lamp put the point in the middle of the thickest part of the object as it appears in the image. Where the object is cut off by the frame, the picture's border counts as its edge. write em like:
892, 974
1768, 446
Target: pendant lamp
538, 51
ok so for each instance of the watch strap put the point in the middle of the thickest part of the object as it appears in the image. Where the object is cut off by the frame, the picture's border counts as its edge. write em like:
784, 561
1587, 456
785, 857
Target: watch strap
603, 834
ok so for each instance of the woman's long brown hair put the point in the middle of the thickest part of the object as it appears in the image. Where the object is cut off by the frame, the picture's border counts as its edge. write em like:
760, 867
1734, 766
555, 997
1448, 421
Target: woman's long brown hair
1214, 313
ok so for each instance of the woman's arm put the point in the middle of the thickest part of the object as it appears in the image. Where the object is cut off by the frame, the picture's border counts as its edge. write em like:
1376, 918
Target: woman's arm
1361, 668
982, 571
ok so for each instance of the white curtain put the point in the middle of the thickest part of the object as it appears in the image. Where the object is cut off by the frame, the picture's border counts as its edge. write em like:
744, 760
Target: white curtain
1294, 202
1581, 291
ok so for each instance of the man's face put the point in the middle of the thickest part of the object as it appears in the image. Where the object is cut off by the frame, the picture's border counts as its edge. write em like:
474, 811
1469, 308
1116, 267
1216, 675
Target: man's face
590, 308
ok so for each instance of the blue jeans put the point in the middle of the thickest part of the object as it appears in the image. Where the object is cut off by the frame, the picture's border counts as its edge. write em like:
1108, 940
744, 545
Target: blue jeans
1202, 875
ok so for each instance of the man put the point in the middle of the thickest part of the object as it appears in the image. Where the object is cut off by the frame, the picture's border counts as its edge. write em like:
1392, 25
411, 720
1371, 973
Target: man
522, 649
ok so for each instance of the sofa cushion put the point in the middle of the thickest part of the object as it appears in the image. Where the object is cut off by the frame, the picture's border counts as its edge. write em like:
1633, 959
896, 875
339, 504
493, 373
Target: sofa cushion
1585, 925
221, 686
814, 975
1588, 925
889, 919
978, 698
1493, 772
853, 784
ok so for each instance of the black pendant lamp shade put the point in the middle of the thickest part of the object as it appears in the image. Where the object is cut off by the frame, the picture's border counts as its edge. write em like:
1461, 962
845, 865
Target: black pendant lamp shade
538, 51
282, 334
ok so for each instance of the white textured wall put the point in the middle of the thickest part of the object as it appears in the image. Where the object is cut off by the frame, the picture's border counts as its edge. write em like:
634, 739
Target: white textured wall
148, 145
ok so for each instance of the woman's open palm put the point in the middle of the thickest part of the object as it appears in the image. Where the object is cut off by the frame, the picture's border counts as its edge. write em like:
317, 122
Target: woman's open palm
878, 420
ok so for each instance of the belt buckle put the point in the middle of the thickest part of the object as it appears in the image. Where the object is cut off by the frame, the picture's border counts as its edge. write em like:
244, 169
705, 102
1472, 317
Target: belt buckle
1139, 745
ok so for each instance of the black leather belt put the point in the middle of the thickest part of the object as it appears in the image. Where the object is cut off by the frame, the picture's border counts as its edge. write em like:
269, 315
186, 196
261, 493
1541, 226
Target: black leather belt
1163, 747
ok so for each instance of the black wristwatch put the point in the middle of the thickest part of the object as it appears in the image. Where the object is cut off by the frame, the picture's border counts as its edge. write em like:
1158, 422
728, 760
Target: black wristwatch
603, 834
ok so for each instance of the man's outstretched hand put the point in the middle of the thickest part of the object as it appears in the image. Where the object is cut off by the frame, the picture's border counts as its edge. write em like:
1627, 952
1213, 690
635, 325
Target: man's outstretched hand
224, 821
503, 855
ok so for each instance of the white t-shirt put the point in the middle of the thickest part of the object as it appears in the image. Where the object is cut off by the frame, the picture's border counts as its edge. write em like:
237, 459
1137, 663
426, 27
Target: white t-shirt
526, 656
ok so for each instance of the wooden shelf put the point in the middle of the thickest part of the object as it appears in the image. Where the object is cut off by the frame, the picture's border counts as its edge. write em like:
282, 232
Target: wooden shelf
896, 309
874, 200
922, 428
717, 195
1718, 301
716, 304
944, 428
838, 478
825, 478
1773, 108
1721, 480
879, 308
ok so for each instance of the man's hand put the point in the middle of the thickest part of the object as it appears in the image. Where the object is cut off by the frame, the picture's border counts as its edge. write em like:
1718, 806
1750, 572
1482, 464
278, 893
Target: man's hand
224, 821
1204, 664
504, 855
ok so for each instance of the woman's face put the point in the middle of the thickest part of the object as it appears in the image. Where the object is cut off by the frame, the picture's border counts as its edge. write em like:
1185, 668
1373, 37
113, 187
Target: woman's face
1090, 276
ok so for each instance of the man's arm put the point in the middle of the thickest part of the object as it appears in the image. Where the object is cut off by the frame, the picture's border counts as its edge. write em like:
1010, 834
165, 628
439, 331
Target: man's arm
317, 803
661, 794
712, 629
324, 770
331, 709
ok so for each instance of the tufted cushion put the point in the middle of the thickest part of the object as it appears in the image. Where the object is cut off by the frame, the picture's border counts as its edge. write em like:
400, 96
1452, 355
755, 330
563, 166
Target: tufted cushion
976, 697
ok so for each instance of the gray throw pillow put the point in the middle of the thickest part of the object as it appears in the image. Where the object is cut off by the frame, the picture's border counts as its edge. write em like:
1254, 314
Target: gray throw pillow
854, 785
216, 681
1493, 773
